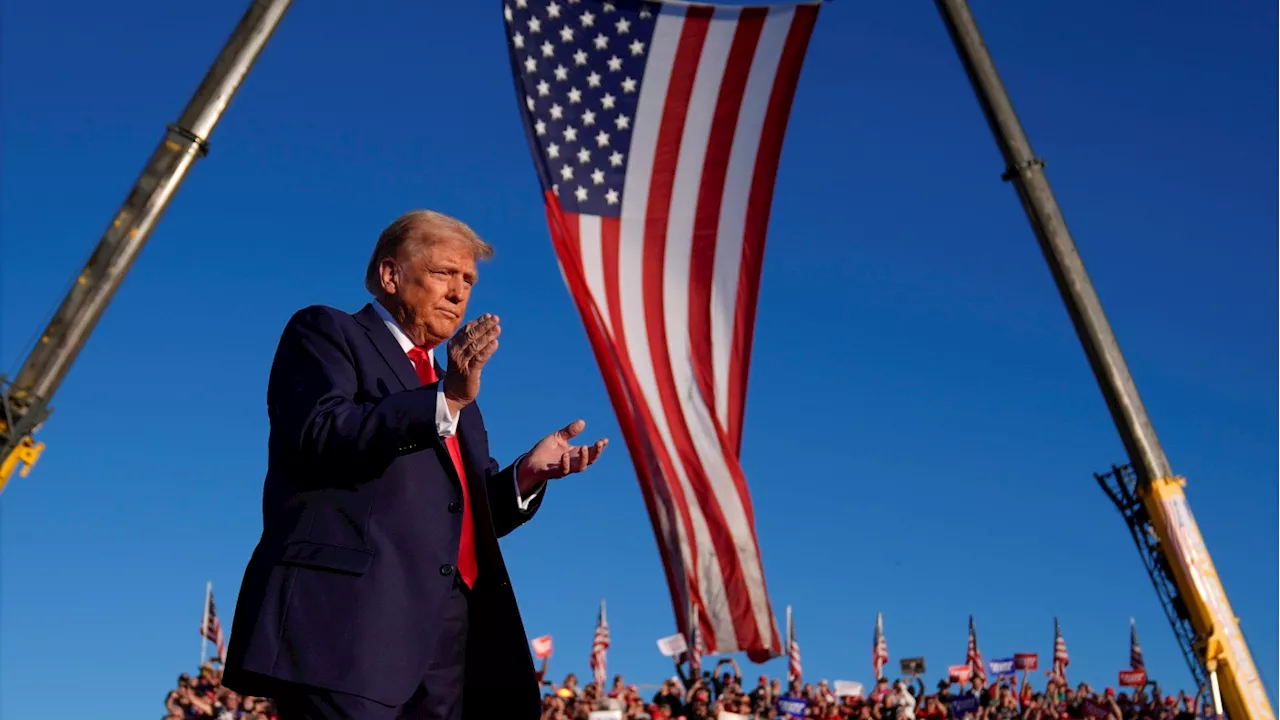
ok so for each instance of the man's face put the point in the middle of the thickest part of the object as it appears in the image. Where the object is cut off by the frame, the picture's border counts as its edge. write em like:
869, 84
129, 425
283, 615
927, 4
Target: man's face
429, 287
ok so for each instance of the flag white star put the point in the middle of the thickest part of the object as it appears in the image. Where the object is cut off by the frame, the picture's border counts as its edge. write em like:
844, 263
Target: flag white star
557, 112
580, 194
584, 156
597, 176
580, 57
593, 80
611, 197
602, 138
566, 34
609, 7
506, 12
530, 65
540, 127
607, 101
556, 189
529, 102
553, 151
628, 85
522, 4
535, 25
601, 41
544, 89
562, 73
589, 118
645, 13
622, 122
615, 159
566, 172
623, 26
570, 133
637, 48
518, 41
548, 49
575, 95
587, 18
615, 64
553, 10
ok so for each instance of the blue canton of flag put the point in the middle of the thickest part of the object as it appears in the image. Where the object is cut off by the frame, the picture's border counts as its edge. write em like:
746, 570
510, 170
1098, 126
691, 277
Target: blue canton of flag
579, 68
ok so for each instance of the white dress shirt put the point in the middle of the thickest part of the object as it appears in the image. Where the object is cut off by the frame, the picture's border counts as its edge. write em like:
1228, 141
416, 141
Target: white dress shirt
446, 421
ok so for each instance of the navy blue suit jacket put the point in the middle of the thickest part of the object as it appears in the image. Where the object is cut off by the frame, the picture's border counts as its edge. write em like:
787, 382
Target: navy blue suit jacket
361, 520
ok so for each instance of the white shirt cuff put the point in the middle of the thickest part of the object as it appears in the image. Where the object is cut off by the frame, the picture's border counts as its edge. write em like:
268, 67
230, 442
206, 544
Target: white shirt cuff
522, 503
446, 422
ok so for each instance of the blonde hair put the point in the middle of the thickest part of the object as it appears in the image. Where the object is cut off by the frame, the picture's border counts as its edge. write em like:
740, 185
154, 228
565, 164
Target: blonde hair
421, 228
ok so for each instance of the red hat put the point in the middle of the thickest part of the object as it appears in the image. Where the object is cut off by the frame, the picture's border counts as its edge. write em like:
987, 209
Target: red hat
1111, 691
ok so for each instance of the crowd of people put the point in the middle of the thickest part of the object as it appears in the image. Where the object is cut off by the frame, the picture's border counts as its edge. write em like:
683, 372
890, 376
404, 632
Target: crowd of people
721, 694
203, 697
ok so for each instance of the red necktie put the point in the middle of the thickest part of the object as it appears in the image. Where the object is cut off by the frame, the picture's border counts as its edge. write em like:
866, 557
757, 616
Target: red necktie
467, 567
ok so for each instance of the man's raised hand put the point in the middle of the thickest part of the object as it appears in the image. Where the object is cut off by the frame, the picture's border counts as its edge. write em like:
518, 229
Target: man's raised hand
553, 457
468, 351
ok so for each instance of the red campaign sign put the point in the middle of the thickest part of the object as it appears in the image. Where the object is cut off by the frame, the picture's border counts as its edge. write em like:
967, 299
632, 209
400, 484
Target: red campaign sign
959, 673
1026, 661
1133, 678
542, 646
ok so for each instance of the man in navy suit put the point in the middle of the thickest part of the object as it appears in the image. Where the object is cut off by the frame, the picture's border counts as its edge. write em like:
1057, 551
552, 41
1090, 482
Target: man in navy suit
378, 590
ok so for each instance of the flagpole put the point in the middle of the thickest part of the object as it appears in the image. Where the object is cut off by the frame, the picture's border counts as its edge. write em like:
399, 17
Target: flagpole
204, 623
1026, 172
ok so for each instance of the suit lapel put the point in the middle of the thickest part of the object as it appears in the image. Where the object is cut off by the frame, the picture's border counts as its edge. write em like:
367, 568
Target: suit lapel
388, 348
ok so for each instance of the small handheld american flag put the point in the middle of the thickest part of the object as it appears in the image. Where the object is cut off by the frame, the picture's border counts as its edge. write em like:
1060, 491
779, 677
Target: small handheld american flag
879, 648
1135, 650
973, 657
599, 650
1060, 657
211, 630
656, 131
795, 671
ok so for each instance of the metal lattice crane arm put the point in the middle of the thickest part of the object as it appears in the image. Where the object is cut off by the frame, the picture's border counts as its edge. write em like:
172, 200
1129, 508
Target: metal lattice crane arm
24, 402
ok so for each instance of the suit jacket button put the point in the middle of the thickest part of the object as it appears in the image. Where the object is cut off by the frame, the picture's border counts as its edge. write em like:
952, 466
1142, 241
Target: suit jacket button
446, 569
455, 507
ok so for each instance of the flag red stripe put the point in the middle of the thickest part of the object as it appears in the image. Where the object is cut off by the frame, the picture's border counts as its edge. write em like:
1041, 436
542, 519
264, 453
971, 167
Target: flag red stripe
758, 205
711, 196
666, 156
662, 482
564, 238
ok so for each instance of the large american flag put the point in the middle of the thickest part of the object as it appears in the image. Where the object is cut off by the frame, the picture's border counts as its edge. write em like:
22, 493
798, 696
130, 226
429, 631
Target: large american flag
795, 671
973, 656
1060, 657
211, 630
599, 650
1135, 650
879, 648
656, 130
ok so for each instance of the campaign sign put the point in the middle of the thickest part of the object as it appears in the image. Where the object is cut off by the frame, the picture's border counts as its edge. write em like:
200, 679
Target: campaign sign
959, 673
1003, 668
962, 705
912, 666
1133, 678
672, 645
541, 646
790, 706
1026, 661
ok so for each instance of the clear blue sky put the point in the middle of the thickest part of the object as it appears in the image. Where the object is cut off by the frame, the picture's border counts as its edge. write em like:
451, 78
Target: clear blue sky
922, 426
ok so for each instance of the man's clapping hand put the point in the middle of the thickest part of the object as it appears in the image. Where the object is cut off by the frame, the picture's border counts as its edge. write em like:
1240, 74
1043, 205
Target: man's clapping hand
468, 351
553, 457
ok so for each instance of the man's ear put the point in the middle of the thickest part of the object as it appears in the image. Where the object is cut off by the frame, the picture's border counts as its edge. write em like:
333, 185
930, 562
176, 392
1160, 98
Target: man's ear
389, 275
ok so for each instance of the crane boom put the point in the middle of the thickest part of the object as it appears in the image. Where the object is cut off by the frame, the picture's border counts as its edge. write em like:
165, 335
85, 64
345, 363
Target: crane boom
24, 402
1218, 645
